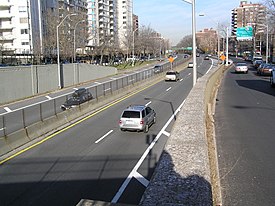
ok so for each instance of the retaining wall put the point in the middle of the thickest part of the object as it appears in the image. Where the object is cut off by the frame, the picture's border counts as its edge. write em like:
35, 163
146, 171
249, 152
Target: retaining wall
26, 81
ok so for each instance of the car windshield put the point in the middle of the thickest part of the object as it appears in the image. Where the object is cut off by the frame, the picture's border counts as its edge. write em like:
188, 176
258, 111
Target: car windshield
241, 64
170, 73
131, 114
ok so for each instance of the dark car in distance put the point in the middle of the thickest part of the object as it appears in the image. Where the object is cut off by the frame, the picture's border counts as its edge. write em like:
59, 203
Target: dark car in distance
158, 69
78, 97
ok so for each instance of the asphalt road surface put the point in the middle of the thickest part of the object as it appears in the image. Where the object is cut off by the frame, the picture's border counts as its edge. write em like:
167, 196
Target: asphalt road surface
245, 134
93, 159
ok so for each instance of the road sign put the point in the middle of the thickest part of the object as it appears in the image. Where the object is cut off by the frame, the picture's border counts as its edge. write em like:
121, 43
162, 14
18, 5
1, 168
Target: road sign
222, 57
244, 33
171, 59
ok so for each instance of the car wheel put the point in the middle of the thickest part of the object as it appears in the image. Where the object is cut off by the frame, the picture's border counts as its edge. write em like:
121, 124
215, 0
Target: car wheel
123, 130
146, 129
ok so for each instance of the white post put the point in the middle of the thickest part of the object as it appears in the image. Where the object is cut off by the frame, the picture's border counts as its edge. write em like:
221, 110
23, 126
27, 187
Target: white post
226, 46
267, 45
194, 42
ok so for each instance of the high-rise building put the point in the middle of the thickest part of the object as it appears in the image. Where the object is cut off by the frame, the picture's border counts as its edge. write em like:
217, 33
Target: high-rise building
19, 28
110, 22
102, 22
23, 26
248, 14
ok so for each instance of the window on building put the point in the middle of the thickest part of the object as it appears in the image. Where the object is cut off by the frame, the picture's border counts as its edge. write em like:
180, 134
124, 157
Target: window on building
24, 43
22, 9
24, 31
23, 20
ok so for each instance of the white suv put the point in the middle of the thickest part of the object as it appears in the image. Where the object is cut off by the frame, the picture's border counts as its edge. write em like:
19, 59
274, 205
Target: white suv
138, 118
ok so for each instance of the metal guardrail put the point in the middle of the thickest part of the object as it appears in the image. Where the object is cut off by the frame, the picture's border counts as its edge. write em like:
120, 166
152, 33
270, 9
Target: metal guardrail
16, 120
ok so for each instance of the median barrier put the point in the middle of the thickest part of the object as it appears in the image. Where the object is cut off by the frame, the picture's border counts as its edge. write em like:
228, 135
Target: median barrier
184, 174
38, 131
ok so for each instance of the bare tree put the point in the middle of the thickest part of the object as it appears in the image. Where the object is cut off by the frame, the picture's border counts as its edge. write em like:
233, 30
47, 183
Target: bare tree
186, 41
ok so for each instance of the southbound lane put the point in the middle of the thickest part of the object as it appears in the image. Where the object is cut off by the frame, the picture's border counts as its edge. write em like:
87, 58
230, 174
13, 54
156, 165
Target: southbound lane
245, 135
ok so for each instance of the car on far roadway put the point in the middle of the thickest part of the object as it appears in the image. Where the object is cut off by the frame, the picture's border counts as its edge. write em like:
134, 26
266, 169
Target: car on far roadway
272, 77
190, 65
265, 69
206, 57
257, 63
137, 118
172, 76
241, 68
198, 55
78, 97
158, 69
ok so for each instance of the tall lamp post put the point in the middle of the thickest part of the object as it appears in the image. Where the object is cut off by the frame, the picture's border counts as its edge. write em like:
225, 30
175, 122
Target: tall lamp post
193, 2
133, 62
58, 55
74, 38
218, 37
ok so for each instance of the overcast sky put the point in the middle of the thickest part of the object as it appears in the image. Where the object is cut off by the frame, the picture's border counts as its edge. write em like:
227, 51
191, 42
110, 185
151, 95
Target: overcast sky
173, 18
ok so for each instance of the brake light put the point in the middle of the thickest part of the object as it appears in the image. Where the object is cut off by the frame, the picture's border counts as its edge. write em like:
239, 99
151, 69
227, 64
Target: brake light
120, 122
141, 122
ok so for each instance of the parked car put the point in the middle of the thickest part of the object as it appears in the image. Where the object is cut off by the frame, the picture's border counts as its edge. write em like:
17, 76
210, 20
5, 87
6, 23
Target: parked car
241, 68
257, 63
158, 69
190, 65
198, 55
272, 78
78, 97
172, 76
137, 118
265, 69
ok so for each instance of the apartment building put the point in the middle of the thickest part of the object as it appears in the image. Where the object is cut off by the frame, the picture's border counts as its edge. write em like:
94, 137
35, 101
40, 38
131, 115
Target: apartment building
23, 25
18, 24
110, 22
102, 22
249, 14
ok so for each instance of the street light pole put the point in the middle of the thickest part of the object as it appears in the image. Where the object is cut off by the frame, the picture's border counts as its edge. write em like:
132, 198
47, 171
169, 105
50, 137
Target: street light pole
133, 52
227, 46
193, 2
58, 55
267, 45
74, 39
218, 37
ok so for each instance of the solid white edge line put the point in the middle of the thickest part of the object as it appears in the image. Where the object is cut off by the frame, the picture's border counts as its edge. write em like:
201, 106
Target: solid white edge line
132, 173
7, 109
141, 179
168, 89
48, 97
210, 66
97, 141
166, 133
148, 103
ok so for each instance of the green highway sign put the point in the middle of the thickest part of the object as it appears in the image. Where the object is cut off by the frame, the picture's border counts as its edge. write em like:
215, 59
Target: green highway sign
244, 33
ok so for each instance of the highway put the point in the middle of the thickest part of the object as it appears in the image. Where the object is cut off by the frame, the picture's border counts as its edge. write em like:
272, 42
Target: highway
93, 159
245, 135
